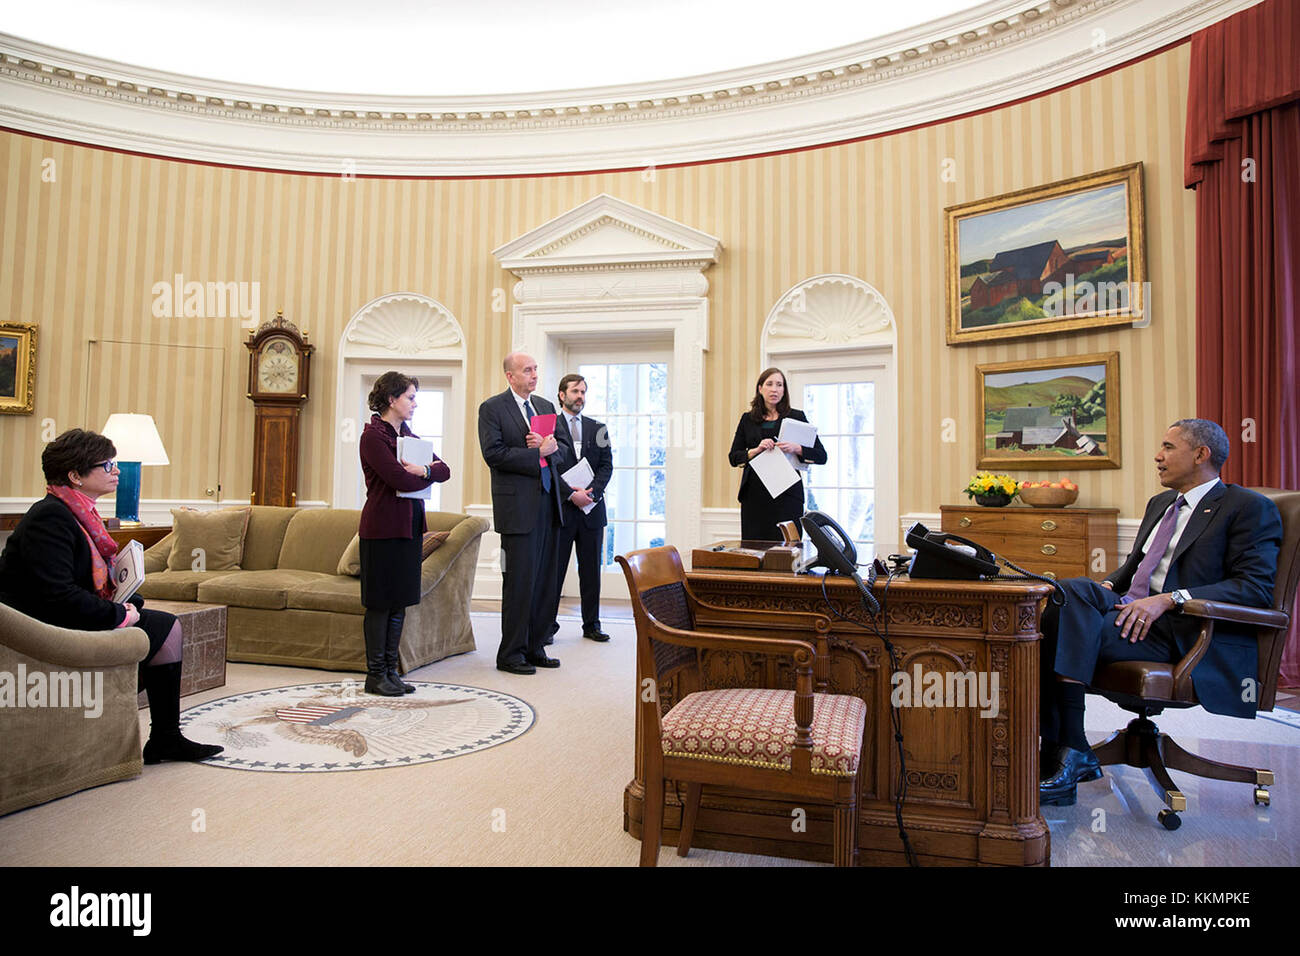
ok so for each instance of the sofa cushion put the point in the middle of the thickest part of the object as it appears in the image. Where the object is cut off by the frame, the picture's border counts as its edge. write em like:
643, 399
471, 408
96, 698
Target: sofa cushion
265, 535
256, 589
218, 535
338, 593
155, 557
176, 585
317, 538
350, 563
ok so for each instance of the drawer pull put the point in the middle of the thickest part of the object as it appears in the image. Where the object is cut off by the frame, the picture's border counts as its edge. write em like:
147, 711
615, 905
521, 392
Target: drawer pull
964, 523
1050, 574
1048, 525
1048, 549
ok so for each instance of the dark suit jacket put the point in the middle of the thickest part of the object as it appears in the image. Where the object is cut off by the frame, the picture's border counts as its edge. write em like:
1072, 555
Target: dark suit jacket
1228, 552
596, 449
46, 571
749, 433
516, 473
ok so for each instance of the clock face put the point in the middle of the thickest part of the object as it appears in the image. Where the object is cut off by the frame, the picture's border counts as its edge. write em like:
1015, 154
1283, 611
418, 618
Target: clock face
277, 367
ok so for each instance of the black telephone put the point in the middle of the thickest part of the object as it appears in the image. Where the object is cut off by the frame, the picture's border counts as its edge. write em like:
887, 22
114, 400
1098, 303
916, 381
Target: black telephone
836, 553
943, 555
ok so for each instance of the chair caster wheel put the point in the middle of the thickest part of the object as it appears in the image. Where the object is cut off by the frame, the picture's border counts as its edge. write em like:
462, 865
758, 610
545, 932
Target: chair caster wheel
1169, 820
1261, 796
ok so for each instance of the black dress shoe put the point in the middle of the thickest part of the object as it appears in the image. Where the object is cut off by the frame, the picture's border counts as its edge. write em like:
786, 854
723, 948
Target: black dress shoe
543, 661
1075, 767
176, 747
520, 668
596, 635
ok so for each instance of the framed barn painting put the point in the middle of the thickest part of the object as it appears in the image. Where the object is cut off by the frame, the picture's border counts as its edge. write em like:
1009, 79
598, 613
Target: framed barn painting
1049, 413
17, 369
1049, 259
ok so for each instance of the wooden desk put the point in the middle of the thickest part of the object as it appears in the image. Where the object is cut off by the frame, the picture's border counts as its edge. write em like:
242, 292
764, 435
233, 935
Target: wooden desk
972, 791
148, 535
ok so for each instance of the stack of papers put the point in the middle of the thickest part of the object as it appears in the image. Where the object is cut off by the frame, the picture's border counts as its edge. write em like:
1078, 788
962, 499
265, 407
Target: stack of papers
415, 451
579, 478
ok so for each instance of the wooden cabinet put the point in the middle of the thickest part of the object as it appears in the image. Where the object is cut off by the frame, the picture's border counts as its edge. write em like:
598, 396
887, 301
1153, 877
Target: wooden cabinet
1059, 542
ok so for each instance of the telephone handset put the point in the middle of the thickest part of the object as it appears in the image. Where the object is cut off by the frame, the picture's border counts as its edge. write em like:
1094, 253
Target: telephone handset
836, 553
943, 555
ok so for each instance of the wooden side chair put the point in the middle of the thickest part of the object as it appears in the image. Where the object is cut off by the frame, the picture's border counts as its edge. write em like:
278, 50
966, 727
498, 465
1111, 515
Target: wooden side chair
797, 743
1146, 688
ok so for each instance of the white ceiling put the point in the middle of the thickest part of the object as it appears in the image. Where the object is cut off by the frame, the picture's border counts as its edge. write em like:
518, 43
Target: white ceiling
445, 48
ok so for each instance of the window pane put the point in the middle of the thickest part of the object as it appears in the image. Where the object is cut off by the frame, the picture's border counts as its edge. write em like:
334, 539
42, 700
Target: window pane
859, 464
860, 406
624, 537
623, 435
649, 534
650, 493
620, 494
820, 404
654, 388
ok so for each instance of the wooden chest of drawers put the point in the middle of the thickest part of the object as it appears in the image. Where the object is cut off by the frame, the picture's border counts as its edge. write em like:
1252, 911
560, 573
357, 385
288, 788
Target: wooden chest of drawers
1059, 542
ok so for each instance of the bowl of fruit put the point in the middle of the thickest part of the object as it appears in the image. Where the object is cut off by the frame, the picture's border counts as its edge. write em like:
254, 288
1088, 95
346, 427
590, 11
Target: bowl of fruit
1049, 494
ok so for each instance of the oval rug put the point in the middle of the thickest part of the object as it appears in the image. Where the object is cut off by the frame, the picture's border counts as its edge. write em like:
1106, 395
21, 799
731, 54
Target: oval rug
332, 726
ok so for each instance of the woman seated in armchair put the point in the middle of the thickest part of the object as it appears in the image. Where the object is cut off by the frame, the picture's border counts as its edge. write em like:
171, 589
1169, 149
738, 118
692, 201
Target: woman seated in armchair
55, 568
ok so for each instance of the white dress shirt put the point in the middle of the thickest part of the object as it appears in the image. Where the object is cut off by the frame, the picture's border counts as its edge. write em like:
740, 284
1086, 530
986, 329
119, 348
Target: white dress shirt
1192, 499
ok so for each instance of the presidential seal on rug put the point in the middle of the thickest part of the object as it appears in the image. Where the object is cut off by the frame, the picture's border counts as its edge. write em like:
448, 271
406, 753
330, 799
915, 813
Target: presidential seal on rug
334, 726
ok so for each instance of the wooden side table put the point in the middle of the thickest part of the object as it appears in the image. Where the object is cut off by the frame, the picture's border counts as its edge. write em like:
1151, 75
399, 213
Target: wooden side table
203, 660
148, 535
1058, 542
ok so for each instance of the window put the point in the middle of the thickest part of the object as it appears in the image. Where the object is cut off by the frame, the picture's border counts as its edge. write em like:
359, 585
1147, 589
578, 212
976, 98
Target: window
632, 400
845, 416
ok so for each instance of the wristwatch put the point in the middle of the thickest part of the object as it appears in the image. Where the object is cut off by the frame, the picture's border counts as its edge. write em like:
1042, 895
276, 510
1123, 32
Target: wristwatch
1178, 599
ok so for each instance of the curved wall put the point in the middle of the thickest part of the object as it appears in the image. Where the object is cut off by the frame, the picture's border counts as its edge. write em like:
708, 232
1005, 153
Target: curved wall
80, 256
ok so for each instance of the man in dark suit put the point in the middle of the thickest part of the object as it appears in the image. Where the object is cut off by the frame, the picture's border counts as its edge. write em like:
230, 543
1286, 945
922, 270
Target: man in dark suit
526, 510
590, 441
1200, 539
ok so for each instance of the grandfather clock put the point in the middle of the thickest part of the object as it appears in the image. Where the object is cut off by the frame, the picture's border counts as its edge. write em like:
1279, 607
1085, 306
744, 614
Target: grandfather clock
279, 360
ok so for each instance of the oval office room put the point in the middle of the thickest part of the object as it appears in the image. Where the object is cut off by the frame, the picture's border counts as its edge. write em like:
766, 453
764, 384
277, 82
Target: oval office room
1018, 285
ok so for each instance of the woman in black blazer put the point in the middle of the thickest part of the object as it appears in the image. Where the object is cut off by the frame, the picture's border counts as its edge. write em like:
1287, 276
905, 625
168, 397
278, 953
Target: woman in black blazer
757, 432
56, 568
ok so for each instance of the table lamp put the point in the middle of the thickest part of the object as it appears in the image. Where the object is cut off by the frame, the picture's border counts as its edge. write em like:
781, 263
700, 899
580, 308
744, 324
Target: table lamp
138, 443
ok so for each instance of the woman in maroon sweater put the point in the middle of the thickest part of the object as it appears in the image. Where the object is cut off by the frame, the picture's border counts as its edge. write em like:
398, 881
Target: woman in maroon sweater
392, 529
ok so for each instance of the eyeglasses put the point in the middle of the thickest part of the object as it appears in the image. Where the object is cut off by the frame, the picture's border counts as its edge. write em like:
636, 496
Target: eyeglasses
108, 466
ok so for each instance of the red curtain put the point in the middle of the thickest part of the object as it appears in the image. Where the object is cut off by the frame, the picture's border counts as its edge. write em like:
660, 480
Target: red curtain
1242, 157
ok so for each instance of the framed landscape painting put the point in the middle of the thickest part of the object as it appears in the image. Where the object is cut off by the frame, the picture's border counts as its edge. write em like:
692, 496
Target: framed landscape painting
17, 368
1048, 259
1049, 413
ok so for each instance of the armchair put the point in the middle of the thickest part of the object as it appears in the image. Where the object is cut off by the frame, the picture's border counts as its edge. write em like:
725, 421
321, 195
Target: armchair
1146, 688
800, 743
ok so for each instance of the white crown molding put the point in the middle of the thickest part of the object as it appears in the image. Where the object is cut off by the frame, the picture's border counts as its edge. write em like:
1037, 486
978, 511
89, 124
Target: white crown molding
987, 56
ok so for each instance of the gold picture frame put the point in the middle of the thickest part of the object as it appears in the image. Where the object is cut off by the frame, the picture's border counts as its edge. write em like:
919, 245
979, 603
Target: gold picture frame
1063, 257
17, 369
1059, 413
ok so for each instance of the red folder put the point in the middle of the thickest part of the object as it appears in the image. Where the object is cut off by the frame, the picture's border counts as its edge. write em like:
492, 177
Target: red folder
544, 425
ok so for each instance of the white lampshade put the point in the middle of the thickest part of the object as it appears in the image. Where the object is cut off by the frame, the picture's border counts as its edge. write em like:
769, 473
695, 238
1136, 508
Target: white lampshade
136, 439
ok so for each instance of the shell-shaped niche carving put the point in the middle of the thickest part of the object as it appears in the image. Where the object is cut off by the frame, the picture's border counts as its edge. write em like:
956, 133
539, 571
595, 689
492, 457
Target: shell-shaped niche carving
406, 324
831, 310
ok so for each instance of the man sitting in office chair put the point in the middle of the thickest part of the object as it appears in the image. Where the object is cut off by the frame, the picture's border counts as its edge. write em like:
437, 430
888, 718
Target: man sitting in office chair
1200, 539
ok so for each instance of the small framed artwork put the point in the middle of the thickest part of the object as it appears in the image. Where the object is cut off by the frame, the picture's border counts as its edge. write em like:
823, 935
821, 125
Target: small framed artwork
17, 369
1055, 258
1049, 413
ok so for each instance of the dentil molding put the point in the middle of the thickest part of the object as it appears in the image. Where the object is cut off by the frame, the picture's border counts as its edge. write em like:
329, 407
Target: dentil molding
992, 54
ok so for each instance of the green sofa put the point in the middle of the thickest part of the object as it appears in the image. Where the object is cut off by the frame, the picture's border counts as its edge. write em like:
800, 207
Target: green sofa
289, 605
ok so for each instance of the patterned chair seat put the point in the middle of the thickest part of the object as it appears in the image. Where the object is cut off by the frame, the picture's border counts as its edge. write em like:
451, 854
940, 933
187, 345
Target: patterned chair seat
755, 727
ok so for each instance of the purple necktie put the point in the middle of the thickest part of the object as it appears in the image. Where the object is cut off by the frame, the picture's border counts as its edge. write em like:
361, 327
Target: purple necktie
1141, 586
575, 432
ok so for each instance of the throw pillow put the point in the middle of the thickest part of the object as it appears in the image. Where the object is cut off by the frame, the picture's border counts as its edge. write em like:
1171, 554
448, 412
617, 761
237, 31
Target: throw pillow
217, 535
350, 563
432, 542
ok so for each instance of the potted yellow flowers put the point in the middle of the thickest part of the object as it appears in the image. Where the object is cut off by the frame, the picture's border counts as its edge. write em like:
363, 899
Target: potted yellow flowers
992, 491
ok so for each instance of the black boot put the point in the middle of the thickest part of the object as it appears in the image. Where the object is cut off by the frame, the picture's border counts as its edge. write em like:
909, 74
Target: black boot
393, 649
377, 679
162, 685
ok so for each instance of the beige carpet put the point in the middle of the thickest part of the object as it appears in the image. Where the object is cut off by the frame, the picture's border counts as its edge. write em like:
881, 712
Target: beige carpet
554, 796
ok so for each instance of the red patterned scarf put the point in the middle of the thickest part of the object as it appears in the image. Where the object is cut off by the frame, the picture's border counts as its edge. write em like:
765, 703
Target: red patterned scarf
102, 547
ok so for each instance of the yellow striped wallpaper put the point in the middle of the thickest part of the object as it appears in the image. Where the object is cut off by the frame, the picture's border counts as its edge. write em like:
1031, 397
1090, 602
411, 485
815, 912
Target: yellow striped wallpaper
80, 256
